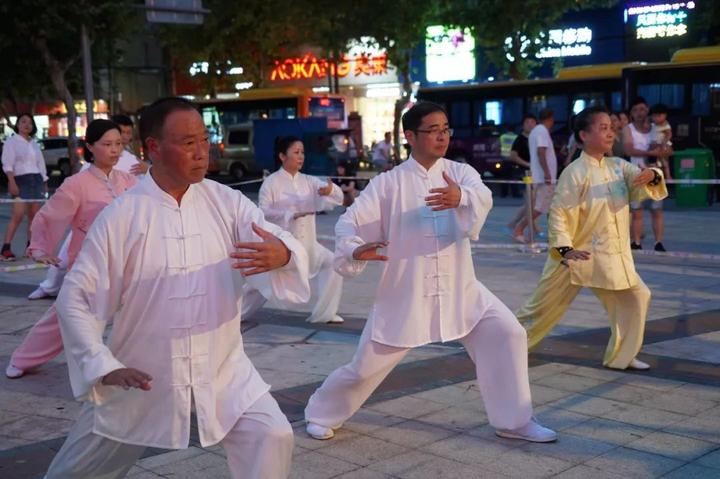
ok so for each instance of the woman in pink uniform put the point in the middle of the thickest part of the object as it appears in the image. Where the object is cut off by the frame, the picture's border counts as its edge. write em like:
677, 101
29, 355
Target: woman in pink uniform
75, 204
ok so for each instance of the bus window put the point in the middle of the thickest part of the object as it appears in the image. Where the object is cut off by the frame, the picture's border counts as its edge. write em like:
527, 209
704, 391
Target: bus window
506, 112
616, 101
331, 108
557, 103
578, 106
701, 99
493, 112
670, 94
460, 114
277, 113
479, 113
512, 112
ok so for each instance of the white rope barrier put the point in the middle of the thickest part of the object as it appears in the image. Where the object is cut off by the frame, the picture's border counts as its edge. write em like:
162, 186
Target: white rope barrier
689, 181
367, 178
22, 267
247, 182
541, 247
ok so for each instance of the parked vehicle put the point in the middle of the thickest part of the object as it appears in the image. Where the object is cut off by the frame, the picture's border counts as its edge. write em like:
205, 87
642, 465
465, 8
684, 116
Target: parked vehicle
55, 152
249, 148
235, 154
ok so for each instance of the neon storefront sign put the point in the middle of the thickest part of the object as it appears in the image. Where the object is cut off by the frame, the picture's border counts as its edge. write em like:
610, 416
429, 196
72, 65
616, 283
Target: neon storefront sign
659, 19
568, 42
309, 66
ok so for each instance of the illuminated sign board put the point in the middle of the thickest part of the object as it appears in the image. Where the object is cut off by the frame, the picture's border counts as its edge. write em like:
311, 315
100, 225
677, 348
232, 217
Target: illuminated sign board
568, 42
197, 68
651, 20
449, 54
309, 66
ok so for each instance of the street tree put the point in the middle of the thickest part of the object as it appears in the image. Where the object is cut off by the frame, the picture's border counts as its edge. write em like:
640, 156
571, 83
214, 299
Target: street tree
512, 33
398, 27
49, 34
248, 34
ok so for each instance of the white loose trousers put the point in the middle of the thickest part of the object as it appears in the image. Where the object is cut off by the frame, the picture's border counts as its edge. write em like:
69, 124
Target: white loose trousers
497, 346
56, 274
329, 288
259, 446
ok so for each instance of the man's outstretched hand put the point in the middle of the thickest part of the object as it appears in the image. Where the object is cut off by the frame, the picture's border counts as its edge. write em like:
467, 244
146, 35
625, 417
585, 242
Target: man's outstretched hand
368, 252
268, 255
128, 378
444, 198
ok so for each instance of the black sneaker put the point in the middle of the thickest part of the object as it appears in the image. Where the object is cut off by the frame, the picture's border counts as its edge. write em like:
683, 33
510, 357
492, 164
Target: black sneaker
7, 255
659, 247
634, 245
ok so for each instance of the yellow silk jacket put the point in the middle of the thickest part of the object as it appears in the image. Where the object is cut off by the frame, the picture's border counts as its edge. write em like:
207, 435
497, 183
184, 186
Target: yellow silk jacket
590, 212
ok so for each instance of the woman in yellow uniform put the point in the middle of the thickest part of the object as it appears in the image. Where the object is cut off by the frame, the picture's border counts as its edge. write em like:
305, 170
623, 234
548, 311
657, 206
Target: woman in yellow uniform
589, 243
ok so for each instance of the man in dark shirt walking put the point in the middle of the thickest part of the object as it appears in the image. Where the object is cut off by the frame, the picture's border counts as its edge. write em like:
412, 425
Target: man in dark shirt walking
520, 155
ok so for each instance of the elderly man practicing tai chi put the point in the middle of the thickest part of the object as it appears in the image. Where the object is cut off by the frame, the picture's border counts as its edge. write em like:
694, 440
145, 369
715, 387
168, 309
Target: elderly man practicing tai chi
157, 261
425, 212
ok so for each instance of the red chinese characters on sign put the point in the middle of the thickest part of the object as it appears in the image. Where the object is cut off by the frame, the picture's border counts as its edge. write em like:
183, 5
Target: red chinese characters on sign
309, 66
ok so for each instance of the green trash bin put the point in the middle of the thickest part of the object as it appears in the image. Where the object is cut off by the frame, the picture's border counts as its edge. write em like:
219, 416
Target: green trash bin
693, 164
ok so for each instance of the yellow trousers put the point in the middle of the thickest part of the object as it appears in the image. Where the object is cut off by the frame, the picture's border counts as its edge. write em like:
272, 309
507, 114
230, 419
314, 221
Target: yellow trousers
627, 310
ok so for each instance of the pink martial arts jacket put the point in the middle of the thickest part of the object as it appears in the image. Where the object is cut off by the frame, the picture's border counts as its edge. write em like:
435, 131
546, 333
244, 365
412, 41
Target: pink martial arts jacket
428, 291
76, 204
162, 273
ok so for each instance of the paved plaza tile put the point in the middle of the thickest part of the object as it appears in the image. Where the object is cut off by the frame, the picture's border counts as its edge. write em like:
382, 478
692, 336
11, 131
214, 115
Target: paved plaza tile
427, 419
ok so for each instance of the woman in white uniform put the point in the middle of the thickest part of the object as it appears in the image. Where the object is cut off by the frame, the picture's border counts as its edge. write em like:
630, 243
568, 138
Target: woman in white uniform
290, 199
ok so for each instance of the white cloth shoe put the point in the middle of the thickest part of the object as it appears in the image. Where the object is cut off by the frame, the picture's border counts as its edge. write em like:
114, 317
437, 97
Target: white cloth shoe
638, 365
13, 373
532, 431
39, 293
316, 431
335, 320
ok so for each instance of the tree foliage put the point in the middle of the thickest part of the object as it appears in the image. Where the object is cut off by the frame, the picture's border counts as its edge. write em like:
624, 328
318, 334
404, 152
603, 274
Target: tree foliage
249, 34
511, 33
42, 42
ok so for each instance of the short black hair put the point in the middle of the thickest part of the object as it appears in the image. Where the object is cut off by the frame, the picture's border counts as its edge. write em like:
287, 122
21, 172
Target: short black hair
153, 116
412, 119
282, 145
586, 118
95, 130
545, 114
122, 120
32, 120
638, 100
659, 108
528, 116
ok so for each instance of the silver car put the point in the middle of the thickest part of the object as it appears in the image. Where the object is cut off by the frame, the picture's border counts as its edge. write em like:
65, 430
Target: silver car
235, 155
55, 152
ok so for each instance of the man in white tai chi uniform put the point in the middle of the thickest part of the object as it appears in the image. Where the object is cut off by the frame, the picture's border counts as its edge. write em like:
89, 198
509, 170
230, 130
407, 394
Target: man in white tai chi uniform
157, 263
425, 212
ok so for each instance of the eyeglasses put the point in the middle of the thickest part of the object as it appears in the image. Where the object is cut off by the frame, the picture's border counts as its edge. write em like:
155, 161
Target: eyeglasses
437, 131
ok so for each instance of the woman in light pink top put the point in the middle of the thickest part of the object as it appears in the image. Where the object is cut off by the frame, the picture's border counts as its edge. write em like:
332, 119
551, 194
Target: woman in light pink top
75, 204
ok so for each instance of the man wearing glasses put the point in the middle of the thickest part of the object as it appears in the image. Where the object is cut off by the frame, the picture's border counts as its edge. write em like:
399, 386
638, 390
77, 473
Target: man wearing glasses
424, 213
